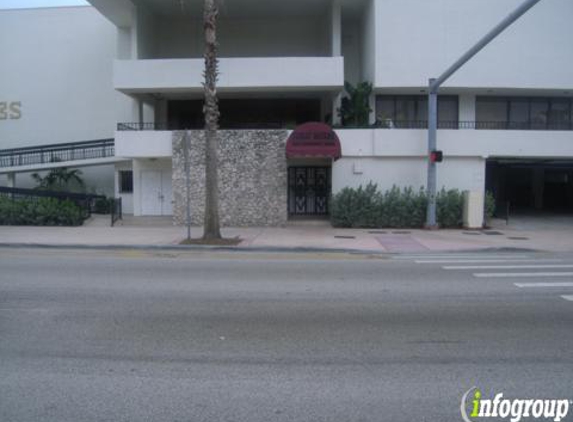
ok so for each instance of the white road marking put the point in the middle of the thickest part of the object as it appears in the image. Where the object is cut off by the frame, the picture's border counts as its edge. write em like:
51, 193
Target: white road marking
457, 256
475, 261
506, 267
541, 285
569, 298
508, 275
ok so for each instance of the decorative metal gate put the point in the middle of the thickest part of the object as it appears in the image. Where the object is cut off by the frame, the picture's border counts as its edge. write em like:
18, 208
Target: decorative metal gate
308, 190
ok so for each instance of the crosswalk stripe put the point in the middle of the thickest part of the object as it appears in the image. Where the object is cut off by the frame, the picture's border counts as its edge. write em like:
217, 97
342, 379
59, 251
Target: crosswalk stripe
541, 285
567, 297
459, 256
506, 267
475, 261
508, 275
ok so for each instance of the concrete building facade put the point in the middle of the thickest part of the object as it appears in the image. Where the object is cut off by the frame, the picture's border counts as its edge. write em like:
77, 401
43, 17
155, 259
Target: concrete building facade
505, 119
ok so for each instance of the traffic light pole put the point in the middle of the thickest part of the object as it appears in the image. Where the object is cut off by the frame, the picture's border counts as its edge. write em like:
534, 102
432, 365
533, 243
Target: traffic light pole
434, 87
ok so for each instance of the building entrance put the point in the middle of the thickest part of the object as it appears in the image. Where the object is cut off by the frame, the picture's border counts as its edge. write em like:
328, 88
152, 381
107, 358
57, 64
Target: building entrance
309, 191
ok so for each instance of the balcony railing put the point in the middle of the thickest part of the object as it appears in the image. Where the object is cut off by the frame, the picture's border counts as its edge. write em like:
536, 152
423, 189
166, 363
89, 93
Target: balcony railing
478, 125
85, 150
387, 124
122, 127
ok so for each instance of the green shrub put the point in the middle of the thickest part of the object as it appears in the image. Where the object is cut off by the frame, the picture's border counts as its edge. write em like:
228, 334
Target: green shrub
489, 206
355, 207
450, 208
366, 207
103, 205
42, 212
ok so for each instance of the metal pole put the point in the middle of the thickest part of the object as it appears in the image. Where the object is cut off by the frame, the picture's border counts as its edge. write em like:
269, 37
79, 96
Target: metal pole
431, 221
186, 140
434, 87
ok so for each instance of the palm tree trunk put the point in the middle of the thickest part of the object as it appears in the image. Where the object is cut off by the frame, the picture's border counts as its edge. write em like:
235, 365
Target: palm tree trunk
211, 110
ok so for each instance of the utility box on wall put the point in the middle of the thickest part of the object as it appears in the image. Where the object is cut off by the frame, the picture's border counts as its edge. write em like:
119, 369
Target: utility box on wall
473, 209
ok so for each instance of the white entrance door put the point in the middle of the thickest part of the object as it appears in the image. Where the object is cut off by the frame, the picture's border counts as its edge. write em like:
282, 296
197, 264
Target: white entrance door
150, 192
156, 191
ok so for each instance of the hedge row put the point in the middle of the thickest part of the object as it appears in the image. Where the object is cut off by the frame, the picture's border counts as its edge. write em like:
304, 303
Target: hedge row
40, 212
367, 207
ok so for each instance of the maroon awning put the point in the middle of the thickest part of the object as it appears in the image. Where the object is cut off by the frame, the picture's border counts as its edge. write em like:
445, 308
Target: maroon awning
316, 140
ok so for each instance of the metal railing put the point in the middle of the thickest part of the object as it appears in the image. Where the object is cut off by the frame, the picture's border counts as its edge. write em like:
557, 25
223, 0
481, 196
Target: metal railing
478, 125
140, 126
158, 126
116, 210
381, 124
86, 202
45, 154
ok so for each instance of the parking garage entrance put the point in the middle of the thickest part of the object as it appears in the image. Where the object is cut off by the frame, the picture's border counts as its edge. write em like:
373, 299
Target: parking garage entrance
531, 186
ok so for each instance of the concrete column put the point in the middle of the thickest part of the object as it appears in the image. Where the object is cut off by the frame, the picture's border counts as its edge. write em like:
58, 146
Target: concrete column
11, 180
538, 187
336, 28
373, 108
140, 116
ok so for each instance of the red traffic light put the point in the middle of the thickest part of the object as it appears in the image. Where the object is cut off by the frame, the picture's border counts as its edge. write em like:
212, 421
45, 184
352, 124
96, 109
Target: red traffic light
436, 156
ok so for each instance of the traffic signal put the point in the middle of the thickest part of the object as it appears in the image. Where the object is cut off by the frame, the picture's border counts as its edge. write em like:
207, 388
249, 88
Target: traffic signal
436, 156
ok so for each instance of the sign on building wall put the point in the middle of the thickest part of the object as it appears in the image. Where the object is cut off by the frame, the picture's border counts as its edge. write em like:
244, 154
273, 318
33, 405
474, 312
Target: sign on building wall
10, 110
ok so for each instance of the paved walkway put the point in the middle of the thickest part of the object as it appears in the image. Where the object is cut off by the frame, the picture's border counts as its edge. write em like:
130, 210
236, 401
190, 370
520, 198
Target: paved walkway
557, 237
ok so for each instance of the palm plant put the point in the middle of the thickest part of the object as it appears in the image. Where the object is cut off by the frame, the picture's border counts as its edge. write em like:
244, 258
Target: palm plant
212, 229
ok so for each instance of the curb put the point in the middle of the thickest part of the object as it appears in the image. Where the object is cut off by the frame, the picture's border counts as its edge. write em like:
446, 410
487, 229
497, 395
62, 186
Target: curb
254, 249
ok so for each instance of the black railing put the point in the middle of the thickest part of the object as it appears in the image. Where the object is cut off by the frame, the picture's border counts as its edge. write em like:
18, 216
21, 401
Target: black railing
384, 124
123, 127
143, 126
86, 202
45, 154
116, 210
478, 125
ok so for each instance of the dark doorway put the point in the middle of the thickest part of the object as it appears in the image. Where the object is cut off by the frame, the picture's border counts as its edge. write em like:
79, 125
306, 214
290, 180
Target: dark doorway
246, 113
309, 191
523, 186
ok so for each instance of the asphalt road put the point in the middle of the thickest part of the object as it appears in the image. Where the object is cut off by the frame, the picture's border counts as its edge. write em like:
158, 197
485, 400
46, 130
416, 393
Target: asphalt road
148, 336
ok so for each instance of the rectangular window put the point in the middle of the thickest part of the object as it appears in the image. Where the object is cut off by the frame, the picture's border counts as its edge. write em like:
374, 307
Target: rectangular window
560, 114
126, 181
491, 113
411, 111
518, 114
539, 113
523, 113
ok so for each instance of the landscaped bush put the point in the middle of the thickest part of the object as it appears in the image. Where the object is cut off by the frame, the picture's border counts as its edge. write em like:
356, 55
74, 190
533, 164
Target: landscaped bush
40, 212
489, 210
367, 207
103, 206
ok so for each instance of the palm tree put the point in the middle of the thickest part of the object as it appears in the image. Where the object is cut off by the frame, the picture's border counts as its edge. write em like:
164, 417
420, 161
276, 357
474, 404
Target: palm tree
212, 229
60, 179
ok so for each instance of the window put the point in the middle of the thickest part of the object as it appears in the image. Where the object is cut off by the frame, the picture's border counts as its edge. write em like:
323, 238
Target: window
126, 181
524, 113
411, 111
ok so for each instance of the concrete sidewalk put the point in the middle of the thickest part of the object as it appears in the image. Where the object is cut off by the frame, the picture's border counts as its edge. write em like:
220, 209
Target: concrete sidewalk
297, 236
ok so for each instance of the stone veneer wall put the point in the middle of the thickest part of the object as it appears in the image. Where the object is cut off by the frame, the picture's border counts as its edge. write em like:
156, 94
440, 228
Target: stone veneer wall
252, 177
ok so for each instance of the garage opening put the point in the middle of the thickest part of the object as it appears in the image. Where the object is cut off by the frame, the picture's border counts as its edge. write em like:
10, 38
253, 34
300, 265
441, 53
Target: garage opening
529, 187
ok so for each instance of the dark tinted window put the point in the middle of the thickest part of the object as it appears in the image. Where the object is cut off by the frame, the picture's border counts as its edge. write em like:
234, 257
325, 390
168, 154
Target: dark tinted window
126, 181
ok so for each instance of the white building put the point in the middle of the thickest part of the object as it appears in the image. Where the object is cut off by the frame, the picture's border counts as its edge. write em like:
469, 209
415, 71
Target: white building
136, 66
